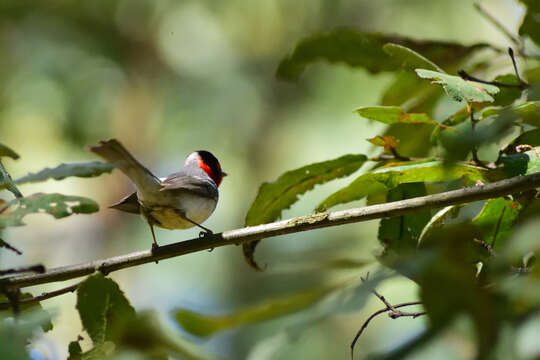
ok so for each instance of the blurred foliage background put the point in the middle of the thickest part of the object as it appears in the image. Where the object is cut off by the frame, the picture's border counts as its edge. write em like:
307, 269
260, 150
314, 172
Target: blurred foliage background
170, 77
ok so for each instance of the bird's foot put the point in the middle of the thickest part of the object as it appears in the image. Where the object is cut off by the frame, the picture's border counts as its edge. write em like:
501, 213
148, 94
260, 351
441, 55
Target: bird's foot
206, 233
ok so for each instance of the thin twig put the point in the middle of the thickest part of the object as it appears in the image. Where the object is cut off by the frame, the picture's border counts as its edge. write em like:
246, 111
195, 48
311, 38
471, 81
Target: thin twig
381, 311
321, 220
499, 25
486, 246
10, 247
474, 150
511, 53
465, 76
43, 296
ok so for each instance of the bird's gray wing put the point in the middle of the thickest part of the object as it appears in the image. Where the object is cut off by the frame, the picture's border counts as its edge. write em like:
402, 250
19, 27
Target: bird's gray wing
181, 182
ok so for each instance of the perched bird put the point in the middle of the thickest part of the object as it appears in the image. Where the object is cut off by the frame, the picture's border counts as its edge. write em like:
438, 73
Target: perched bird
179, 201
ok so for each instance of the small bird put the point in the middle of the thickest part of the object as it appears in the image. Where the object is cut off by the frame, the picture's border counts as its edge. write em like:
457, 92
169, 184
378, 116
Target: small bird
179, 201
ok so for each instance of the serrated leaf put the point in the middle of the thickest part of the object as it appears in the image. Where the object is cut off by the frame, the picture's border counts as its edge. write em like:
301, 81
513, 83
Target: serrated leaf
408, 58
361, 49
459, 89
8, 152
394, 114
57, 205
274, 197
205, 325
62, 171
384, 179
103, 308
531, 25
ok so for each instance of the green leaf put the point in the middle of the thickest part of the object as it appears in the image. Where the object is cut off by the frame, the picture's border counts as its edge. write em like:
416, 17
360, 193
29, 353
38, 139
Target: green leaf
437, 221
83, 169
394, 114
274, 197
149, 335
408, 58
7, 182
7, 152
57, 205
103, 308
459, 89
531, 23
506, 96
384, 179
496, 219
401, 233
205, 325
522, 164
361, 49
35, 308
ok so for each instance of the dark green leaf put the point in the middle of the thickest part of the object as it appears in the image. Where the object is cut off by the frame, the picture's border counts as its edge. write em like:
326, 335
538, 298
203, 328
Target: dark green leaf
394, 114
360, 49
507, 96
459, 89
529, 138
384, 179
274, 197
408, 58
103, 308
522, 164
6, 151
531, 23
57, 205
83, 169
74, 350
401, 233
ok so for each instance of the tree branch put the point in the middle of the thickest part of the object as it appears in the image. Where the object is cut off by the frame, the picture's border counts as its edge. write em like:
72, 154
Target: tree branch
294, 225
43, 296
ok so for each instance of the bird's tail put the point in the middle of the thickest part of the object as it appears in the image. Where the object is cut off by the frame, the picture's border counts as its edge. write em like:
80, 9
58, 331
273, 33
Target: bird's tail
115, 153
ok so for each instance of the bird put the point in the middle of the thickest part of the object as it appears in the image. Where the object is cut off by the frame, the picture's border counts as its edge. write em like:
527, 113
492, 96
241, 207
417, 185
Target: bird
181, 200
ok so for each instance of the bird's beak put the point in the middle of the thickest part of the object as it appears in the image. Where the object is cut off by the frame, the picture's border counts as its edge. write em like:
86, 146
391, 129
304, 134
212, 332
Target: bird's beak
223, 173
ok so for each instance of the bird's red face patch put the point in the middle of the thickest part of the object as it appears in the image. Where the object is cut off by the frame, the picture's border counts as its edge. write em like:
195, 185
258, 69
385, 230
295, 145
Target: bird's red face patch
214, 175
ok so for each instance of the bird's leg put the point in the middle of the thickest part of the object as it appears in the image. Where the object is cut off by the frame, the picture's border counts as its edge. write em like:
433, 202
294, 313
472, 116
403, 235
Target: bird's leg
154, 244
206, 232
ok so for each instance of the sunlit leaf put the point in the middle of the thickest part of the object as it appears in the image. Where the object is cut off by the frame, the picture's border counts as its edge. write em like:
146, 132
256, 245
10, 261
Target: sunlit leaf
103, 308
276, 196
57, 205
6, 151
408, 58
62, 171
360, 49
459, 89
387, 178
394, 114
389, 143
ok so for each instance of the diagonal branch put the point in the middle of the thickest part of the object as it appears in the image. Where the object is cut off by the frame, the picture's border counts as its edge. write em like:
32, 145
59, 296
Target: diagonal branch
294, 225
